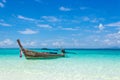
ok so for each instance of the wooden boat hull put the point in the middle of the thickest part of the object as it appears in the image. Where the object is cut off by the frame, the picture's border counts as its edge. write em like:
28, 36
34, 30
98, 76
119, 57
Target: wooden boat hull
35, 55
31, 54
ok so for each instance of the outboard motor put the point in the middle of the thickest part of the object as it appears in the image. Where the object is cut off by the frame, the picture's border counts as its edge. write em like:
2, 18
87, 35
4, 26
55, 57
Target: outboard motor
63, 50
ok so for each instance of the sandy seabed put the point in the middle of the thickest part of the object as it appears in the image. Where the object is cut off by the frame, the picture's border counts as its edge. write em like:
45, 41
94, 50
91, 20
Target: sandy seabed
60, 69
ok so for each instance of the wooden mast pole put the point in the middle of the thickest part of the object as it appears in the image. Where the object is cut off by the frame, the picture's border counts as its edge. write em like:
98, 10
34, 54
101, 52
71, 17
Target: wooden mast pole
21, 47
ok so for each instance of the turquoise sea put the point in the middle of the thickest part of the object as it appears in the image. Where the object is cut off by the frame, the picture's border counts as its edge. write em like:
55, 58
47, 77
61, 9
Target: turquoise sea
83, 64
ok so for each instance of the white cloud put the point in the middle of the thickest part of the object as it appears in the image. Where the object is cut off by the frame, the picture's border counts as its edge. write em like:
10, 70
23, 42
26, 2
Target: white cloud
1, 20
28, 31
69, 29
1, 5
44, 44
86, 18
108, 42
114, 35
50, 18
118, 32
58, 43
5, 24
77, 34
83, 8
39, 1
112, 39
92, 20
4, 1
64, 9
116, 24
75, 42
96, 40
30, 43
25, 18
6, 42
101, 27
44, 26
95, 20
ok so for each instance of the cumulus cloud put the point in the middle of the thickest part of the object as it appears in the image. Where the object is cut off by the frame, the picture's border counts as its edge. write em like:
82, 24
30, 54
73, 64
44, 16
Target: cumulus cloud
44, 26
64, 9
68, 28
95, 20
112, 39
86, 18
108, 42
118, 32
44, 44
28, 31
25, 18
116, 24
96, 40
79, 34
1, 5
50, 18
5, 24
83, 8
30, 43
6, 42
114, 35
101, 27
58, 43
4, 1
92, 20
39, 1
71, 29
75, 42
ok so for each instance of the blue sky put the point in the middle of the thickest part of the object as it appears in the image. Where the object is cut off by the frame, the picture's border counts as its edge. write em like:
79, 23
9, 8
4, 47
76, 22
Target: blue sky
60, 23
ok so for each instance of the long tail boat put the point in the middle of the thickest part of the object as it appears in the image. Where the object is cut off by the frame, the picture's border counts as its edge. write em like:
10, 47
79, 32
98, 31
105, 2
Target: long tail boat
34, 55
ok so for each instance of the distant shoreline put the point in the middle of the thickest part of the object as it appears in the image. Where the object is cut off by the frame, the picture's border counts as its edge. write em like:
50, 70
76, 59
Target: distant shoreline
71, 48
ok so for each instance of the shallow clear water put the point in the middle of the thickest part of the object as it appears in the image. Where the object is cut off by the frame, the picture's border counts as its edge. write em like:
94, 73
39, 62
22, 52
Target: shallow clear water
77, 65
